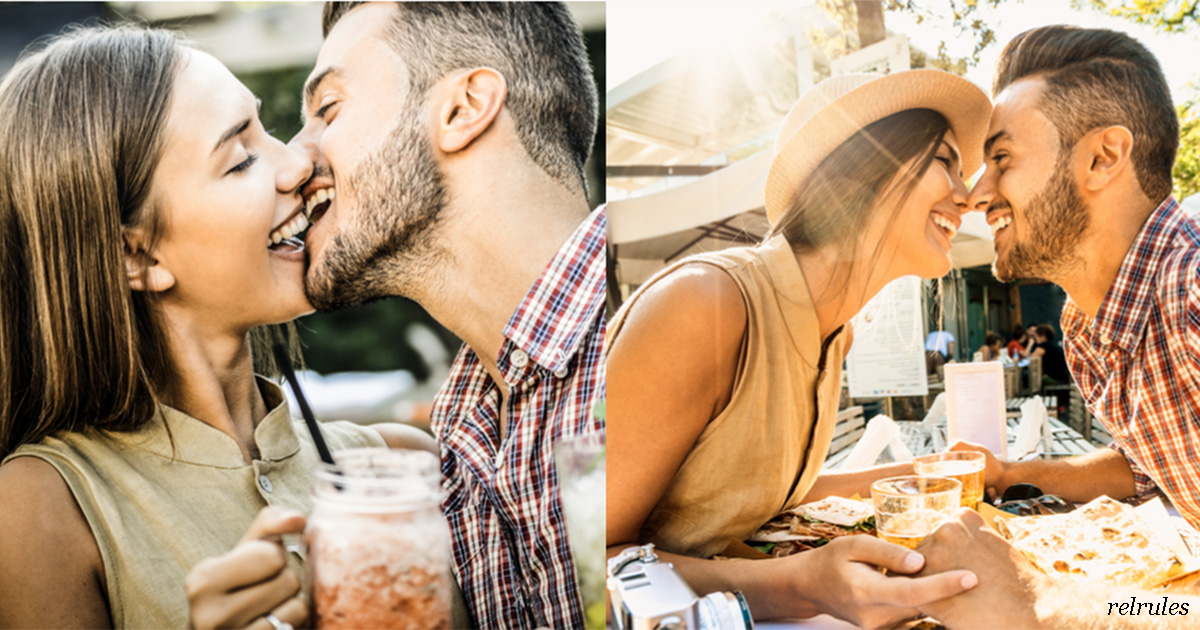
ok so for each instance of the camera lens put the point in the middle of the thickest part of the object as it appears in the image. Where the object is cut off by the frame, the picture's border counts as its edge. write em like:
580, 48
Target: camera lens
725, 611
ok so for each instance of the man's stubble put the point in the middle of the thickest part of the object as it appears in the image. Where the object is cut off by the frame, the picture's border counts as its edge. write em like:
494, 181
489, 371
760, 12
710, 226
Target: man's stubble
1054, 222
390, 247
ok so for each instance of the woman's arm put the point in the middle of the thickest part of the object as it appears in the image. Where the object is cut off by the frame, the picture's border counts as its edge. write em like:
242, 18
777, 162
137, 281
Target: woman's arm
670, 371
398, 435
51, 573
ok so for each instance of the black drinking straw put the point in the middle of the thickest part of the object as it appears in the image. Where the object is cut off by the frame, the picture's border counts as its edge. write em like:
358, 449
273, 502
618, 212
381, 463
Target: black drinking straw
284, 362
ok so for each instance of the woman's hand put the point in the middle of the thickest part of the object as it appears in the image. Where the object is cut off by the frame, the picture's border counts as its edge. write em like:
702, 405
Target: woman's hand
242, 587
844, 580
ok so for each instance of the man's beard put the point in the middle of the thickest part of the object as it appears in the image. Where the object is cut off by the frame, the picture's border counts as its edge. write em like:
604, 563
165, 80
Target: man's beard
1053, 225
388, 247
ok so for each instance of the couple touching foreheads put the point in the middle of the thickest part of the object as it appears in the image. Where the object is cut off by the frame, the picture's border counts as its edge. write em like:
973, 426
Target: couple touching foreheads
149, 224
725, 369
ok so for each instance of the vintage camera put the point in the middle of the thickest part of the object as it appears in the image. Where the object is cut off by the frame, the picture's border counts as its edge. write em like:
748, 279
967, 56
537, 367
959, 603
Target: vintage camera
649, 595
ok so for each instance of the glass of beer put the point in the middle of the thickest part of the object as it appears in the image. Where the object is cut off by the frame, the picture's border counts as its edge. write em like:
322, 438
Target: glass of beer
965, 466
907, 509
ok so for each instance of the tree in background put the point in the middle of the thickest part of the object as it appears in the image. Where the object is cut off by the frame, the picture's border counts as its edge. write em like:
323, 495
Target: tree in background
1168, 16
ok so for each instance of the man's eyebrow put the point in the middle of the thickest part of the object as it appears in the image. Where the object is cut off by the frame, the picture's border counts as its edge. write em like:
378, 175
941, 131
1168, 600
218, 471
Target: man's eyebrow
999, 135
310, 88
231, 133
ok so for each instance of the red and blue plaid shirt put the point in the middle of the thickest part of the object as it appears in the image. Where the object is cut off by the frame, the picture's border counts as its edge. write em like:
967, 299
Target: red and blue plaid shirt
1138, 363
506, 521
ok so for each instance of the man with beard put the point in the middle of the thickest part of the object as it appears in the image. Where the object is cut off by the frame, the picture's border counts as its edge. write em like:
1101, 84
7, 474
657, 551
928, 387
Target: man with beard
449, 142
1078, 192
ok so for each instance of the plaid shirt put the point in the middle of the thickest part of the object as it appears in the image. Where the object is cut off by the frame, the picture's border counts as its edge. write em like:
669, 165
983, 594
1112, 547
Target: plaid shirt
1138, 362
509, 537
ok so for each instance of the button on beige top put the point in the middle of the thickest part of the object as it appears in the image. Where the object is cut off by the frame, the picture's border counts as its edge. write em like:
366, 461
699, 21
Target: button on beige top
177, 491
761, 455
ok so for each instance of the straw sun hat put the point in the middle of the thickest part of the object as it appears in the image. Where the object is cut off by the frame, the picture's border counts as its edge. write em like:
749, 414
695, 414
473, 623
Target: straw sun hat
836, 108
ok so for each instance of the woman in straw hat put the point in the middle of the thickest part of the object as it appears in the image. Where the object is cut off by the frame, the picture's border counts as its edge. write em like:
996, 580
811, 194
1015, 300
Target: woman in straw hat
139, 217
724, 370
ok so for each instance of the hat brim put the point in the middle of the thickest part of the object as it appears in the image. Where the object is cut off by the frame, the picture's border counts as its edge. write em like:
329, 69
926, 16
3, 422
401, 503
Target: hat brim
965, 106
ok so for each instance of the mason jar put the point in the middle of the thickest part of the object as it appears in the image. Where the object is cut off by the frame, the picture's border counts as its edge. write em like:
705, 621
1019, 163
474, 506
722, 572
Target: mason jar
378, 545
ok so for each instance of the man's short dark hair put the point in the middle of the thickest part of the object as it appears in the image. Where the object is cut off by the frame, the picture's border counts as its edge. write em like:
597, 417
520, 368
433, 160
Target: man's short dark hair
537, 46
1098, 78
1045, 331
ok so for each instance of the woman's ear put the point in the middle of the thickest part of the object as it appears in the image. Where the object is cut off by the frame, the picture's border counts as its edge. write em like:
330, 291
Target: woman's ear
471, 102
144, 272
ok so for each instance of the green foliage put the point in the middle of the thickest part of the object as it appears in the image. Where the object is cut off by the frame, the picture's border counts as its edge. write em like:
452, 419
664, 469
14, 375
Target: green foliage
1165, 16
957, 18
1187, 161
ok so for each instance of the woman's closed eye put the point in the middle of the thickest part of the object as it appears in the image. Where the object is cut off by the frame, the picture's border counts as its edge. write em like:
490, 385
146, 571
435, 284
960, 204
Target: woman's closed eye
251, 158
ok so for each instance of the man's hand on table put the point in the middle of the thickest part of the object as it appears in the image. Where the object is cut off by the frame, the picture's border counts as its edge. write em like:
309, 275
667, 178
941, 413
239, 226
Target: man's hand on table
994, 470
1008, 583
845, 581
242, 587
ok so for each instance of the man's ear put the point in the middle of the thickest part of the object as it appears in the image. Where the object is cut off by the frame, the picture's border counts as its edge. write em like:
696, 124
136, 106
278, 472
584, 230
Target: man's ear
472, 101
145, 273
1107, 152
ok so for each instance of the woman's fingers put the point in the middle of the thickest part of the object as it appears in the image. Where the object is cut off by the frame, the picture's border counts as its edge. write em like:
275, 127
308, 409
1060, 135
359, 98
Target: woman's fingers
274, 521
249, 563
293, 612
248, 604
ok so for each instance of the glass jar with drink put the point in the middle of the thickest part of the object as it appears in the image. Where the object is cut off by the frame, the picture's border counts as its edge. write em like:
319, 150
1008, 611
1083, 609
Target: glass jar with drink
907, 509
378, 545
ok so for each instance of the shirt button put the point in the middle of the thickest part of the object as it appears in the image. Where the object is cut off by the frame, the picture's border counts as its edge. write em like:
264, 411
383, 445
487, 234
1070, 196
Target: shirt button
562, 372
264, 483
518, 358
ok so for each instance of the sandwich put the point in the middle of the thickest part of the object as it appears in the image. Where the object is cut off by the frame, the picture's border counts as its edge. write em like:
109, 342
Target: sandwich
812, 525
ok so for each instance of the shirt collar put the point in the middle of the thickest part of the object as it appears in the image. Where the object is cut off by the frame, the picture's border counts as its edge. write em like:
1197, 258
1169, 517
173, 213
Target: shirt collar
787, 279
562, 305
1122, 316
176, 435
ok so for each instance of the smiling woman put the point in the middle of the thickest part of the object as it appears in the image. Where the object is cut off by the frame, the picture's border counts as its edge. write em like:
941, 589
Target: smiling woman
724, 370
148, 226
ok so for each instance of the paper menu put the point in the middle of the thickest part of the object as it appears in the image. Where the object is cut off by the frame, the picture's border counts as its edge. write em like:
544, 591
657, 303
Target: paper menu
975, 405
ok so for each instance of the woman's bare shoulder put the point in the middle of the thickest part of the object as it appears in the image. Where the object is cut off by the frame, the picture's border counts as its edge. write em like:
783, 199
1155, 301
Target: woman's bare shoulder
694, 296
51, 572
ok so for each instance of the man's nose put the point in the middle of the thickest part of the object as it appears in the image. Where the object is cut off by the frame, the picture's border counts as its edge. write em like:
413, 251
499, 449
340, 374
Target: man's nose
306, 143
982, 193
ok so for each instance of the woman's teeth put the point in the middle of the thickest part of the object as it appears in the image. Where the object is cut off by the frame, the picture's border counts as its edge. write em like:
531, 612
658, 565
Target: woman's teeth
318, 198
1000, 224
945, 224
292, 228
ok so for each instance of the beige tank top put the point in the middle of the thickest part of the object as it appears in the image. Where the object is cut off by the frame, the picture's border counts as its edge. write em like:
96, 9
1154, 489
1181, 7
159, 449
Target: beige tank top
176, 491
761, 455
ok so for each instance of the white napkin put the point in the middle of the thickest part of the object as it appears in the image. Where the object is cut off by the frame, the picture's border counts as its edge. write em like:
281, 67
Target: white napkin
937, 412
1034, 429
882, 432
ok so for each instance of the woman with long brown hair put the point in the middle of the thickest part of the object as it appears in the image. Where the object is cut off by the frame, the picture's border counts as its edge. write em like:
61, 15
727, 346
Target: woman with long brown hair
724, 370
147, 226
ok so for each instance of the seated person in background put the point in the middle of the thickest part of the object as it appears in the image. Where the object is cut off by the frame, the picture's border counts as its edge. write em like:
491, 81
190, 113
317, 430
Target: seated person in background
1017, 343
1054, 363
990, 350
942, 342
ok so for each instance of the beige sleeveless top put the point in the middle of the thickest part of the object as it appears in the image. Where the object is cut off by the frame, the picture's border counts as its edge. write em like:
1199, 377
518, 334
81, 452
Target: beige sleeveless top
157, 509
761, 455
